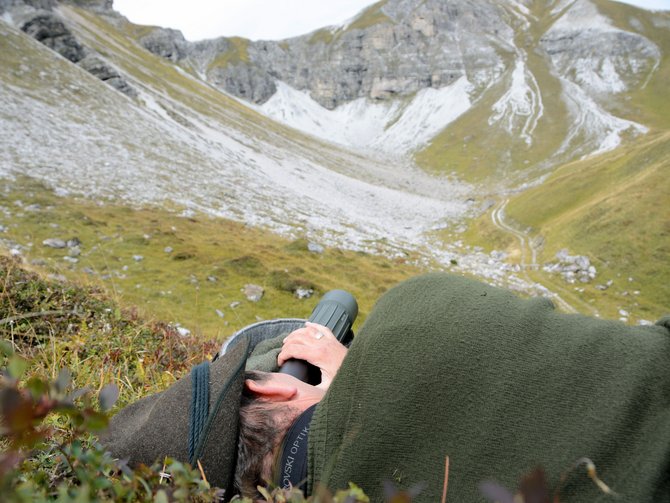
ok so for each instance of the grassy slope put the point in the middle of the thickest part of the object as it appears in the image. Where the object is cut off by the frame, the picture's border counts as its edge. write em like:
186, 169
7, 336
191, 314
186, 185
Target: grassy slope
607, 207
211, 261
610, 208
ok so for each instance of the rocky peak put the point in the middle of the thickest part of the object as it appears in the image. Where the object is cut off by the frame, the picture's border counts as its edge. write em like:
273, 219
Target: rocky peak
395, 48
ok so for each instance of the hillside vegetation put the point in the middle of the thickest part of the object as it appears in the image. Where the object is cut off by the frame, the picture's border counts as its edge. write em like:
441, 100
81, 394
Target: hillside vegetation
187, 270
612, 209
609, 208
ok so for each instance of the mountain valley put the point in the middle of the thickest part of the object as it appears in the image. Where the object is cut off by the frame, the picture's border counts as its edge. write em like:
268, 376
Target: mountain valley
523, 142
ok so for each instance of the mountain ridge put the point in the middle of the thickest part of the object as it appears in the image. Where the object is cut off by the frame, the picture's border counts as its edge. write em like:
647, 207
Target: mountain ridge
592, 62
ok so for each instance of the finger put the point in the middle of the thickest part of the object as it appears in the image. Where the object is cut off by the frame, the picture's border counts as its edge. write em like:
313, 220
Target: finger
320, 328
299, 335
299, 352
308, 334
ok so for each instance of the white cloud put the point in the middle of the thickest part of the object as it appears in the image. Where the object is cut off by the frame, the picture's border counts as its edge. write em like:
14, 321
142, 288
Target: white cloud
649, 4
258, 19
254, 19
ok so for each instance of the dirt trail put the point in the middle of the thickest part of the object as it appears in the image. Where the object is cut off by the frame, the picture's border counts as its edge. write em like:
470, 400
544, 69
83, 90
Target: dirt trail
498, 219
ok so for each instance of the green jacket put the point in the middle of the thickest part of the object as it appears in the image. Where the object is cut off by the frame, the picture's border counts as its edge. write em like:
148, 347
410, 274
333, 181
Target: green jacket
447, 366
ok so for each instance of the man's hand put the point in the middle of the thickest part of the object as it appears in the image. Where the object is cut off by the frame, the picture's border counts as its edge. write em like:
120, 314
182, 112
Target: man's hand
317, 345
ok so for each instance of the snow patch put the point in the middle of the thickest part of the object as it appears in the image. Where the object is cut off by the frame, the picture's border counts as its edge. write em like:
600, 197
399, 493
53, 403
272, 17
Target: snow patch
601, 130
430, 111
355, 123
521, 102
387, 127
603, 79
582, 15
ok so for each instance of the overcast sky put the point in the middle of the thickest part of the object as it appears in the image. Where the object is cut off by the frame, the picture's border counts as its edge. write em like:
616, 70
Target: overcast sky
257, 19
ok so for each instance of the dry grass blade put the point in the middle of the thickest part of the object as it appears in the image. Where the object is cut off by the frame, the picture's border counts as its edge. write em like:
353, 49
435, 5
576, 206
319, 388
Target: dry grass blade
446, 479
25, 316
202, 472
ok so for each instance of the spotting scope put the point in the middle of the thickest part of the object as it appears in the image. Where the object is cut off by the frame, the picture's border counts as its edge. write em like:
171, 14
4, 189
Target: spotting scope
337, 310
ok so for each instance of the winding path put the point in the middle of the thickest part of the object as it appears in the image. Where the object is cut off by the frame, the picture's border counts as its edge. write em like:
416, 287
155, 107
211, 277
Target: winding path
497, 218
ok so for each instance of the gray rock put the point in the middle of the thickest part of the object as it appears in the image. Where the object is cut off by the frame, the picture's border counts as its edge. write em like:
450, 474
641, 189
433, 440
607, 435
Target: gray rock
184, 332
138, 258
315, 247
365, 59
168, 249
303, 293
50, 30
167, 43
105, 71
54, 243
36, 4
235, 304
219, 313
254, 293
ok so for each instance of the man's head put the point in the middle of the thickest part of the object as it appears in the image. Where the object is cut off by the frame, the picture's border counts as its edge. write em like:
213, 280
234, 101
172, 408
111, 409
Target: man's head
271, 402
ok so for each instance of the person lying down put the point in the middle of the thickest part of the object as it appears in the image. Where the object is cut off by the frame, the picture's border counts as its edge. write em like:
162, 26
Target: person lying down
444, 366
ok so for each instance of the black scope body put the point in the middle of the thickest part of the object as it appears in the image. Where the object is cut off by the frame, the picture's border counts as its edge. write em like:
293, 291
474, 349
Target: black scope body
337, 310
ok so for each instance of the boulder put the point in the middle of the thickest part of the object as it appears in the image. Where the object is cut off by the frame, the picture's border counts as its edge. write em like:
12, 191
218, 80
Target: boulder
254, 293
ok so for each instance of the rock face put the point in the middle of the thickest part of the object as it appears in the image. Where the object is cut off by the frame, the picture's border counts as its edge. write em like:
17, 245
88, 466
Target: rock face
38, 19
398, 47
48, 29
392, 49
167, 43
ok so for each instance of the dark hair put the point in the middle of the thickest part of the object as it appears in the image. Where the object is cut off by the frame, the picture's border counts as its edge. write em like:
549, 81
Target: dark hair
262, 428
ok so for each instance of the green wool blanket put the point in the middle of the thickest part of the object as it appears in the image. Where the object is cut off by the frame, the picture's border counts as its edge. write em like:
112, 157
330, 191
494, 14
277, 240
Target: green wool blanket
447, 366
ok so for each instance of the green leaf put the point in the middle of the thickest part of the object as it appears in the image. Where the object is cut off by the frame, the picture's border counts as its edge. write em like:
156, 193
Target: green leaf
17, 366
161, 497
108, 396
96, 421
37, 387
6, 348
